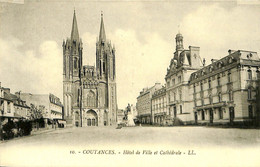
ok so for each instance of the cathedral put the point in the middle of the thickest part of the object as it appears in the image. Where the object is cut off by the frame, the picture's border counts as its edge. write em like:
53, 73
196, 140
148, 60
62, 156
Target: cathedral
89, 92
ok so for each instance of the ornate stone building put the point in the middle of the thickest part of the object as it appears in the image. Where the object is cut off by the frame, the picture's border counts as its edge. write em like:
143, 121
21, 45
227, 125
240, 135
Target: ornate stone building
182, 65
225, 91
89, 92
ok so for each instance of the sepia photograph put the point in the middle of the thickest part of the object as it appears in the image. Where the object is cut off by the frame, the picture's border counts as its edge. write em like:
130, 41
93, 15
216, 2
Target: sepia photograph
129, 83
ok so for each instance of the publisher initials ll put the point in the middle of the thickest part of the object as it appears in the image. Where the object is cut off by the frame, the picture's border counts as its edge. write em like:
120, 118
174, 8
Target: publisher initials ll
191, 152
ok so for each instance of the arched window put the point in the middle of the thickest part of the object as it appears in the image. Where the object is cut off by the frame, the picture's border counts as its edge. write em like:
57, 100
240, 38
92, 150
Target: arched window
91, 102
100, 67
75, 63
209, 83
104, 67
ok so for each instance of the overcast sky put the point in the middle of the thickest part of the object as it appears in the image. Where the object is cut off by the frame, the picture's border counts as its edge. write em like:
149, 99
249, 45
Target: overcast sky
31, 36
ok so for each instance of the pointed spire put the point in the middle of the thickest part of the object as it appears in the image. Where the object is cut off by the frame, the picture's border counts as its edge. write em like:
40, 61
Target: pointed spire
74, 31
102, 34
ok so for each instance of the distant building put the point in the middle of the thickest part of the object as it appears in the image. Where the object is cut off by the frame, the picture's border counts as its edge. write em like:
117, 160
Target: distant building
144, 105
12, 108
134, 111
52, 106
226, 90
159, 107
120, 116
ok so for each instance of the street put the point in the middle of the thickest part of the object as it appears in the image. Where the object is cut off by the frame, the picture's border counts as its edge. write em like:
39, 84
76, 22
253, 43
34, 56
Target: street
175, 136
60, 145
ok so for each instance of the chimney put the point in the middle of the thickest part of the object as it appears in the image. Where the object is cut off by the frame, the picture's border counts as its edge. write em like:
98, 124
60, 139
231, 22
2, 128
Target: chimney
7, 90
213, 60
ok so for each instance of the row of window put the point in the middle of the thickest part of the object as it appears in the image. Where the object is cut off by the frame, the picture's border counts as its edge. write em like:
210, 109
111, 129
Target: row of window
174, 96
173, 81
230, 96
220, 113
210, 84
159, 106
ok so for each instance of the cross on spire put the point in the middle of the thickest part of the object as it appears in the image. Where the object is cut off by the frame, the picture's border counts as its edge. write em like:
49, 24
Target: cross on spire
74, 31
102, 34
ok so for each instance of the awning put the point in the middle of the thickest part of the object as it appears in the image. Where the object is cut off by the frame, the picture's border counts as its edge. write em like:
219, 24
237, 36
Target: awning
61, 122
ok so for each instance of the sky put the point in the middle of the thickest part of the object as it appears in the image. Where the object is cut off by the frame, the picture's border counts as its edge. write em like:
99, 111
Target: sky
143, 32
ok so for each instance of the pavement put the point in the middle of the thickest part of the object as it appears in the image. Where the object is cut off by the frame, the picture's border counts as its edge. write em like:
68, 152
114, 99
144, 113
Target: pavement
58, 146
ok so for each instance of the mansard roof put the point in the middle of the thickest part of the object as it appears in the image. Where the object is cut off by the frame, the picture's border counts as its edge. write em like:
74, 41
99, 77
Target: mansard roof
159, 92
234, 58
184, 58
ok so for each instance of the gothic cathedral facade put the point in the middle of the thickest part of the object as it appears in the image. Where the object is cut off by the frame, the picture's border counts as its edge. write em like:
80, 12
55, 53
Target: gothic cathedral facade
89, 92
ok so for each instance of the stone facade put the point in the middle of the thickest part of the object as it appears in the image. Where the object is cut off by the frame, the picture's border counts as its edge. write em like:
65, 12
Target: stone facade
182, 65
159, 107
89, 92
225, 91
144, 104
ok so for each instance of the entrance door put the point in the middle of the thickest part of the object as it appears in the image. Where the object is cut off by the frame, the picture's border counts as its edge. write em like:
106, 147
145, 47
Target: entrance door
93, 122
231, 114
175, 111
89, 122
196, 117
211, 116
92, 118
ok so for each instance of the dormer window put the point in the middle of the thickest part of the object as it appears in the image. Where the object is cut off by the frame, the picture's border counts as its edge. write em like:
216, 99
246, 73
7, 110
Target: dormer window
230, 60
220, 64
249, 56
210, 68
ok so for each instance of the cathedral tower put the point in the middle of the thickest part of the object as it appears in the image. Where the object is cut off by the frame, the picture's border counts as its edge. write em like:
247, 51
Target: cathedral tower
105, 60
72, 66
89, 92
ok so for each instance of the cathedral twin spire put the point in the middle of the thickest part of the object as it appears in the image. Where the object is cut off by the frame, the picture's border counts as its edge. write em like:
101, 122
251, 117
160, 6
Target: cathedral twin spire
75, 32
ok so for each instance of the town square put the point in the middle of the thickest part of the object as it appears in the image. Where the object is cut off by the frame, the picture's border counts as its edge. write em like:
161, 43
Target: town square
120, 83
83, 144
